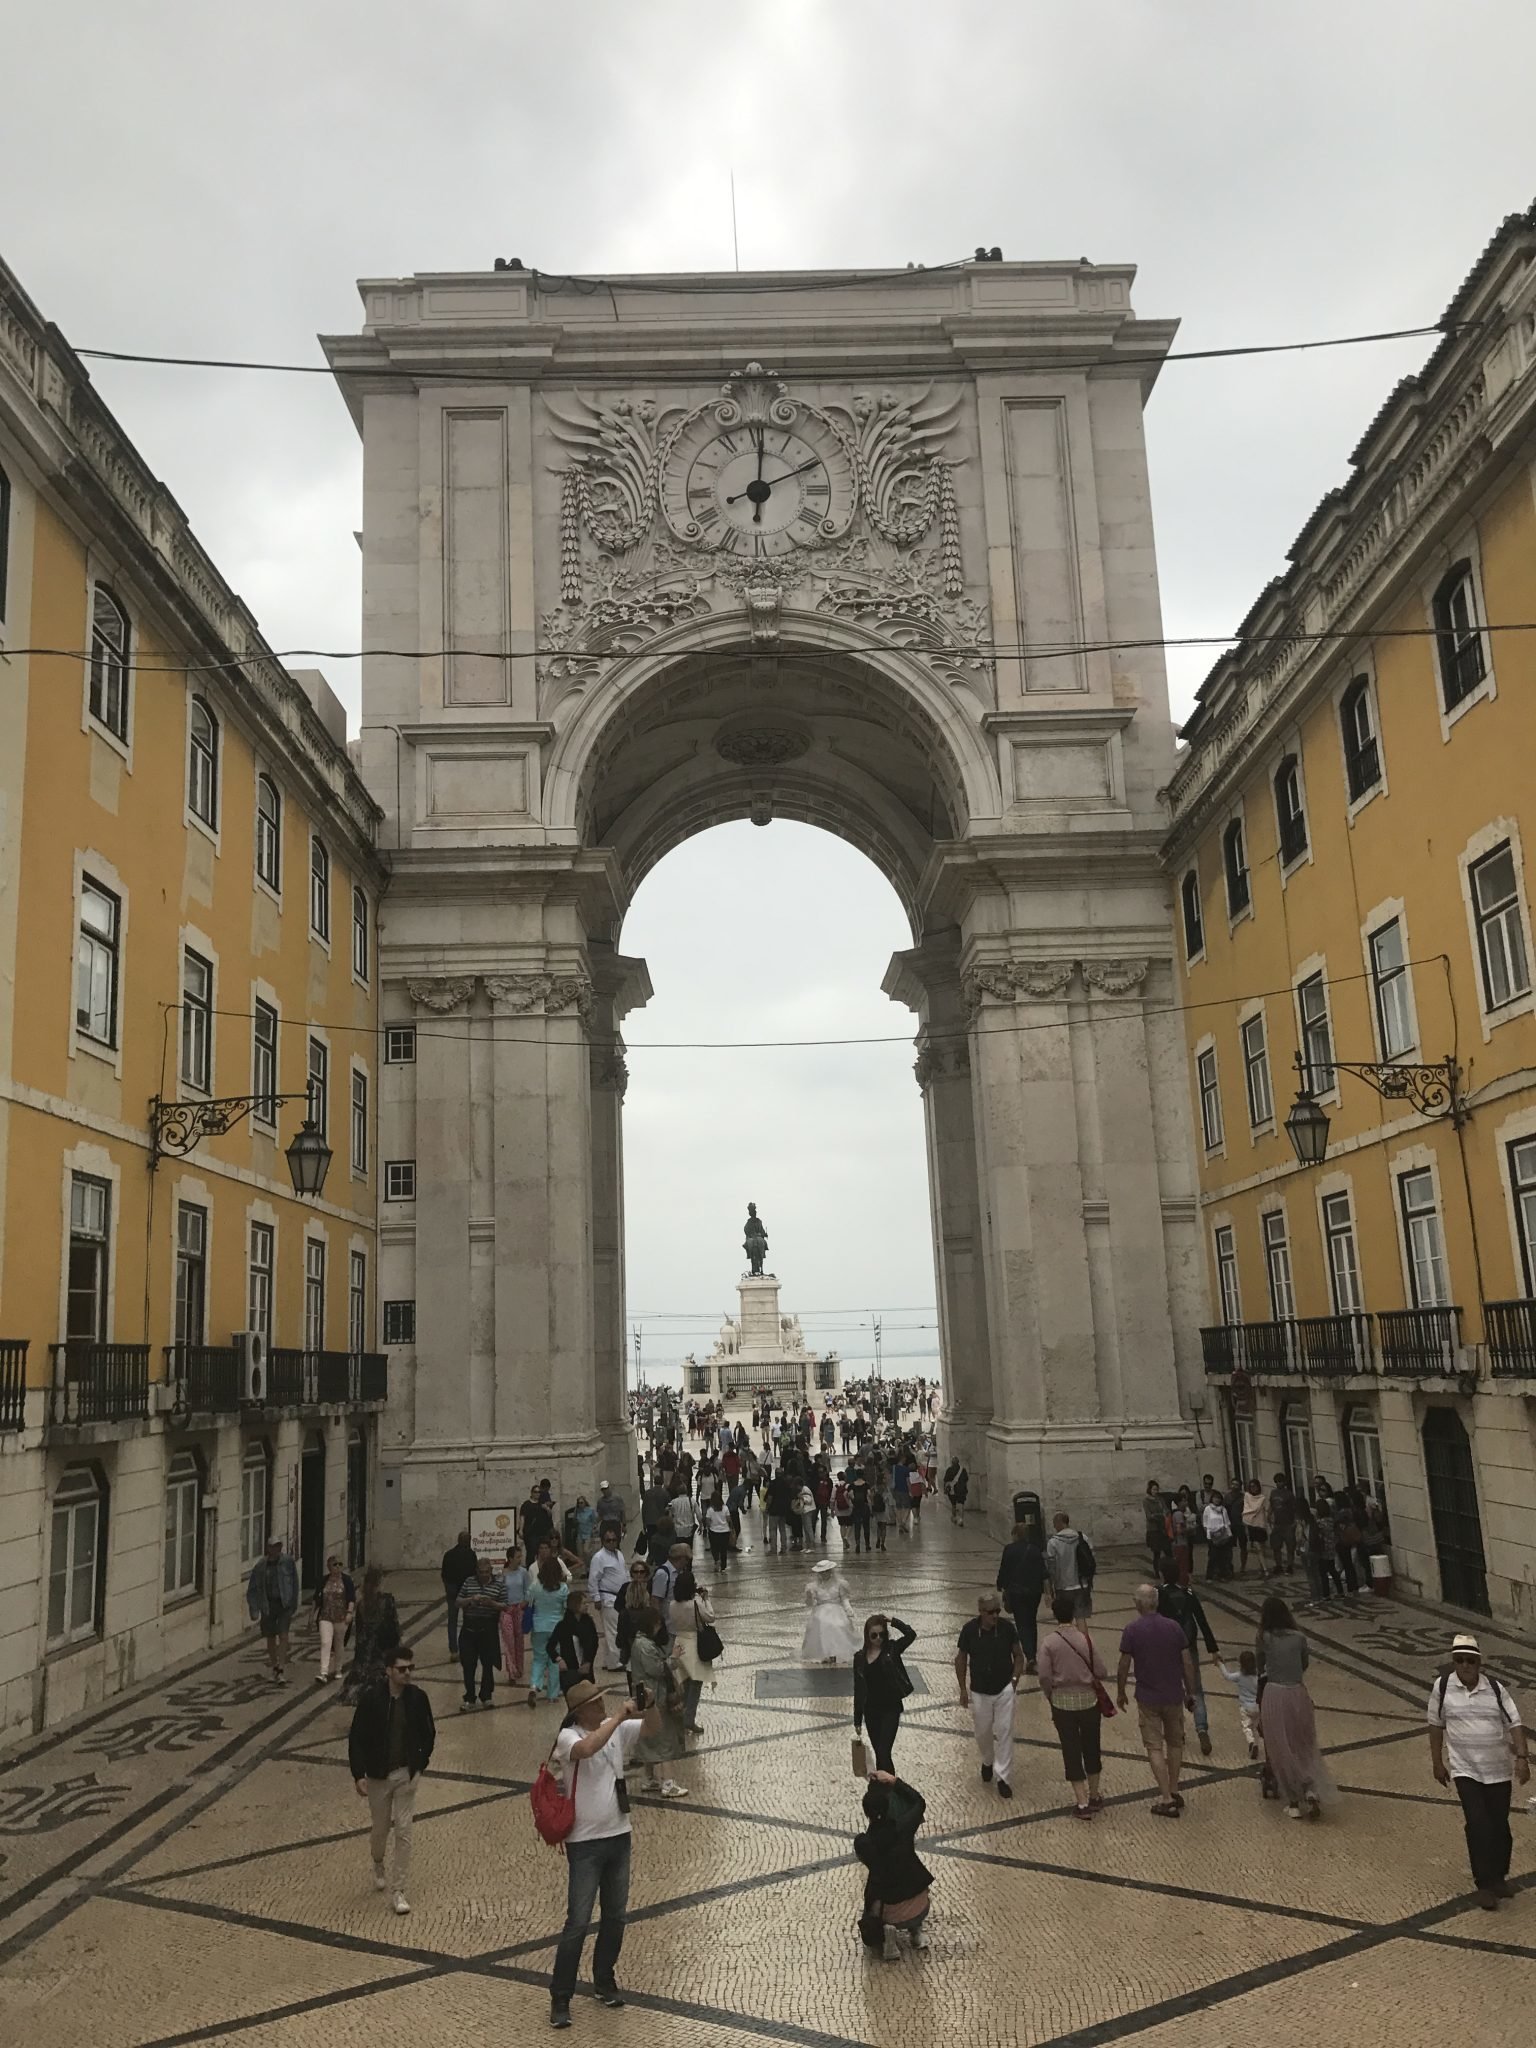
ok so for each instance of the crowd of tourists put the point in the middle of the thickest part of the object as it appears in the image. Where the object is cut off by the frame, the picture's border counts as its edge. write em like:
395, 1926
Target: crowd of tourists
1334, 1533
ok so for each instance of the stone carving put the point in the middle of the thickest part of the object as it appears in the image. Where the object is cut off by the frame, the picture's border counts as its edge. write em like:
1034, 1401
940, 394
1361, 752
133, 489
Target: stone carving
442, 993
1042, 977
1115, 977
905, 599
610, 1069
760, 744
570, 992
609, 487
553, 994
937, 1057
1005, 981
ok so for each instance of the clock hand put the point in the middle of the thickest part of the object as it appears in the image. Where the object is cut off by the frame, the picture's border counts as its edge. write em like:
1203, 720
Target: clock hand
768, 482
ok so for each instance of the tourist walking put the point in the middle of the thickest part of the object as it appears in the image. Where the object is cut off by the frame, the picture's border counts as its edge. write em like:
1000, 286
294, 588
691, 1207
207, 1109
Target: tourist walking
607, 1576
1477, 1744
272, 1600
516, 1592
1244, 1681
883, 1509
1287, 1718
989, 1662
1165, 1685
335, 1605
1184, 1605
880, 1684
717, 1527
897, 1887
957, 1488
389, 1745
805, 1510
1021, 1581
458, 1565
1072, 1679
831, 1634
375, 1632
551, 1590
859, 1489
778, 1506
1255, 1522
480, 1610
691, 1611
573, 1642
1183, 1526
590, 1755
1071, 1564
636, 1595
657, 1685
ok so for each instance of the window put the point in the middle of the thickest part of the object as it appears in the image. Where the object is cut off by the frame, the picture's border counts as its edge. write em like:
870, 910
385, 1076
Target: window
1458, 636
399, 1322
1343, 1259
1289, 810
5, 537
269, 833
196, 1021
1362, 753
255, 1493
203, 764
109, 662
1277, 1265
1522, 1187
1226, 1274
1391, 992
259, 1275
1210, 1099
191, 1273
319, 1085
183, 1510
1362, 1445
76, 1556
1500, 929
90, 1244
1234, 865
360, 944
357, 1302
1194, 930
96, 963
319, 889
314, 1294
400, 1180
264, 1062
1316, 1034
359, 1121
1296, 1437
1261, 1101
1427, 1275
400, 1045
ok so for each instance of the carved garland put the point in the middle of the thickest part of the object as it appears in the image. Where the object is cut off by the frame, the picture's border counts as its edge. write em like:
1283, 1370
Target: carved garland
441, 993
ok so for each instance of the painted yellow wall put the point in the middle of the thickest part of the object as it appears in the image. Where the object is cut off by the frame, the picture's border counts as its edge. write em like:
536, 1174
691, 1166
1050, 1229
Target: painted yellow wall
82, 797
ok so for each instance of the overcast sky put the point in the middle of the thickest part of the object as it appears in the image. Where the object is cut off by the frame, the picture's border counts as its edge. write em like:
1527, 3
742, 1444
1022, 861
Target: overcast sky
211, 181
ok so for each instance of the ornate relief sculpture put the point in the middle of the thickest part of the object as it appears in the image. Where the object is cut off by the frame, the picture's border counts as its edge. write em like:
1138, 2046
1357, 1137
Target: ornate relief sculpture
441, 993
1115, 977
553, 994
1006, 981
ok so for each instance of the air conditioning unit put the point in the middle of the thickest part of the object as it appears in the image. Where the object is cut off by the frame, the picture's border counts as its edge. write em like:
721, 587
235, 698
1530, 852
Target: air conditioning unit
251, 1350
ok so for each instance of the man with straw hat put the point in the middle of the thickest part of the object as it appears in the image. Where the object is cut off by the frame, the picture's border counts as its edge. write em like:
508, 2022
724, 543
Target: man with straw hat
1477, 1743
590, 1753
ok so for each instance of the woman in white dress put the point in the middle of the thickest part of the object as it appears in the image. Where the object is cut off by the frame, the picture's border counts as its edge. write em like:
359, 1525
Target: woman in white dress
831, 1635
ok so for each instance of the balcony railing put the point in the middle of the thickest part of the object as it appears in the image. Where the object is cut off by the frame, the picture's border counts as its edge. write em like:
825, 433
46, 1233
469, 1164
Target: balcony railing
1510, 1328
98, 1382
308, 1379
1330, 1347
206, 1378
13, 1381
1419, 1341
1219, 1347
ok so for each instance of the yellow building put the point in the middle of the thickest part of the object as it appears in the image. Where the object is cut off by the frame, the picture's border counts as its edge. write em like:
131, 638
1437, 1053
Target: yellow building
188, 896
1350, 822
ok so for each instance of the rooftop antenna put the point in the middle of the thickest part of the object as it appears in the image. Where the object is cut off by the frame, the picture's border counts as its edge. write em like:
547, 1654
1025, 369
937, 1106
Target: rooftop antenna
735, 244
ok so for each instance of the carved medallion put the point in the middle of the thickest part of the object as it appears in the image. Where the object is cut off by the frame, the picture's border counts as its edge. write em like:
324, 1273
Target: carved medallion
759, 743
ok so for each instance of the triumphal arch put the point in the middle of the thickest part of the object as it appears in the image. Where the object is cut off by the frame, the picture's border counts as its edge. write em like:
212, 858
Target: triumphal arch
869, 550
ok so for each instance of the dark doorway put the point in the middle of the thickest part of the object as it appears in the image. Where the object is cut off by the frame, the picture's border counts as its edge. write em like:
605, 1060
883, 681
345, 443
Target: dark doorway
357, 1500
1453, 1510
312, 1513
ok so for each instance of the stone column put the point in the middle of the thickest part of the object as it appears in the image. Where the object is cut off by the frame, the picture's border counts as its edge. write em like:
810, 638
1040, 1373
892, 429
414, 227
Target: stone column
619, 985
442, 1406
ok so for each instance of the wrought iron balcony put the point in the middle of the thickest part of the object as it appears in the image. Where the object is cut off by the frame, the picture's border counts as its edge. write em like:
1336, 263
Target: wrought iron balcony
312, 1379
13, 1381
1327, 1347
206, 1379
98, 1383
1333, 1347
1419, 1342
1510, 1328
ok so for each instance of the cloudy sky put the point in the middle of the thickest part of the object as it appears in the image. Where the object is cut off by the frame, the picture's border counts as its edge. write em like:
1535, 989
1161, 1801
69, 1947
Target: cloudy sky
201, 180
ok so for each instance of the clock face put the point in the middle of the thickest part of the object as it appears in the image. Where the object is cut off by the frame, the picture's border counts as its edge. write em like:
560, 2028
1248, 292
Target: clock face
757, 489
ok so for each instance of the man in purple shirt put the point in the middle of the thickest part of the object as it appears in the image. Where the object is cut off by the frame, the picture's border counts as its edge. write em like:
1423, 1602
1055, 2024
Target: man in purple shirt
1165, 1686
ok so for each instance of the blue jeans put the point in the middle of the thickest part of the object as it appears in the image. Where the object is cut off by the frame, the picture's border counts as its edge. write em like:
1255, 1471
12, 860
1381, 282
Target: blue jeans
596, 1872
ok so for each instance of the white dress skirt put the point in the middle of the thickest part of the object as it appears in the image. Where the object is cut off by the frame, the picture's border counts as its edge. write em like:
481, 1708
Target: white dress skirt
830, 1631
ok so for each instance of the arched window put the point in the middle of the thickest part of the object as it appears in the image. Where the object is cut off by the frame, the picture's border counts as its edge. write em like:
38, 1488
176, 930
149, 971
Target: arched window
360, 945
1194, 929
203, 763
183, 1519
1458, 635
1234, 866
1362, 752
1290, 812
109, 662
269, 832
5, 537
77, 1555
1362, 1447
319, 888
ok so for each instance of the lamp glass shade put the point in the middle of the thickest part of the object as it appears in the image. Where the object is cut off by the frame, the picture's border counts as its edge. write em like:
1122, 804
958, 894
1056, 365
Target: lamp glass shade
1307, 1129
309, 1160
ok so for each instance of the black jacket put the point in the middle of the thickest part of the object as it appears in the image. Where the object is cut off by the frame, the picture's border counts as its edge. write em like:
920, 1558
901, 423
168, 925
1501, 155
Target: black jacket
887, 1850
368, 1741
573, 1640
880, 1686
1021, 1576
458, 1565
1184, 1605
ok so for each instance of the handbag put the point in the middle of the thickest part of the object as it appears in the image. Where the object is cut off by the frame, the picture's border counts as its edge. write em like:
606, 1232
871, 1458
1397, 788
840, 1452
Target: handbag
554, 1809
1107, 1706
527, 1617
707, 1638
860, 1758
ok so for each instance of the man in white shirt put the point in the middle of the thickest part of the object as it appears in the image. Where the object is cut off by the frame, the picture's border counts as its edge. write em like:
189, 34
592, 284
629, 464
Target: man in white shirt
607, 1576
1476, 1742
590, 1753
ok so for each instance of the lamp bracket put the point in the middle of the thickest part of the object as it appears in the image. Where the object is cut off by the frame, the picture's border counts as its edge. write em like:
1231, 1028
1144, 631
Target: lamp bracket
177, 1127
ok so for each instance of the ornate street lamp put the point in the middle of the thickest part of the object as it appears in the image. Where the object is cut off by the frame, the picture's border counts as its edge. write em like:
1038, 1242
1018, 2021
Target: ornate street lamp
1433, 1089
176, 1128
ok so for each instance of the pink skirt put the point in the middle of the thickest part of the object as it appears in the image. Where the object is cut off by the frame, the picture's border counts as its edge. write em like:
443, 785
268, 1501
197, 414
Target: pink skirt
1288, 1723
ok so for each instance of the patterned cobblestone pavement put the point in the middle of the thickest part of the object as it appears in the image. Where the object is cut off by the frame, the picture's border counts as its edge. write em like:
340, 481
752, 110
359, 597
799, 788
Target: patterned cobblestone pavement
190, 1865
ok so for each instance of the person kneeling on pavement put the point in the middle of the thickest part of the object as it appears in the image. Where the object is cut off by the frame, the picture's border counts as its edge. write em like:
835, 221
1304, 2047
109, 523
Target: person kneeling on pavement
896, 1890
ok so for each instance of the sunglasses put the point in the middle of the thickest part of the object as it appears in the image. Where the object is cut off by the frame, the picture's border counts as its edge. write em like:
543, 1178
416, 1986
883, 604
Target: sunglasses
1466, 1657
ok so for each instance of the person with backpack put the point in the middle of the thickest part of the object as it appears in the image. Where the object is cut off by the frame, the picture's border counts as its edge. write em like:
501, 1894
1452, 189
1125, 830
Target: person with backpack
1071, 1564
1184, 1605
1477, 1744
590, 1755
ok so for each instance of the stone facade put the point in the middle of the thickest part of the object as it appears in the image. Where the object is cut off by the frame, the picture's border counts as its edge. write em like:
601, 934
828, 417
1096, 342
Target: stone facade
847, 550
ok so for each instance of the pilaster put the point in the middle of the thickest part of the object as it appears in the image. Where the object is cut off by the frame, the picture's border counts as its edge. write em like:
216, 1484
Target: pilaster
441, 1005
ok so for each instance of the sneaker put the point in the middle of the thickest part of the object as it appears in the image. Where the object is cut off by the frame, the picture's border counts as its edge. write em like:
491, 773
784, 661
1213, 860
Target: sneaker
611, 1996
466, 1706
401, 1903
1004, 1789
1293, 1813
380, 1882
670, 1789
559, 2013
322, 1677
986, 1774
920, 1940
892, 1949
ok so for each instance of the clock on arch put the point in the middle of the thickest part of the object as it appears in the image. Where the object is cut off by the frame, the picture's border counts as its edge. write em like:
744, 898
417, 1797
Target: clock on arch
753, 474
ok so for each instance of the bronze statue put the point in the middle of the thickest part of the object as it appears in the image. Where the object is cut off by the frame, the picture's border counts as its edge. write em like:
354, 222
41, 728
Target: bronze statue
755, 1243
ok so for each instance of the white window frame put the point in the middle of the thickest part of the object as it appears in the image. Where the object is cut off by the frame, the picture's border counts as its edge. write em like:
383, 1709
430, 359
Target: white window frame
87, 1184
89, 874
395, 1313
1381, 920
1295, 1421
205, 768
322, 1121
1477, 849
1289, 863
399, 1045
1279, 1273
316, 1274
1418, 1160
70, 1500
1315, 968
322, 890
183, 1264
1357, 1433
1208, 1099
399, 1180
1225, 1260
1519, 1130
263, 999
94, 1162
1335, 1201
1361, 671
196, 1021
254, 1511
1239, 820
271, 884
261, 1277
120, 742
1467, 550
1261, 1113
183, 1530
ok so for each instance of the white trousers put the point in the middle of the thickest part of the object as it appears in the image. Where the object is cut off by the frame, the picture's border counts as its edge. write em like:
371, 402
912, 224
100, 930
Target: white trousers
331, 1634
610, 1613
392, 1805
992, 1717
